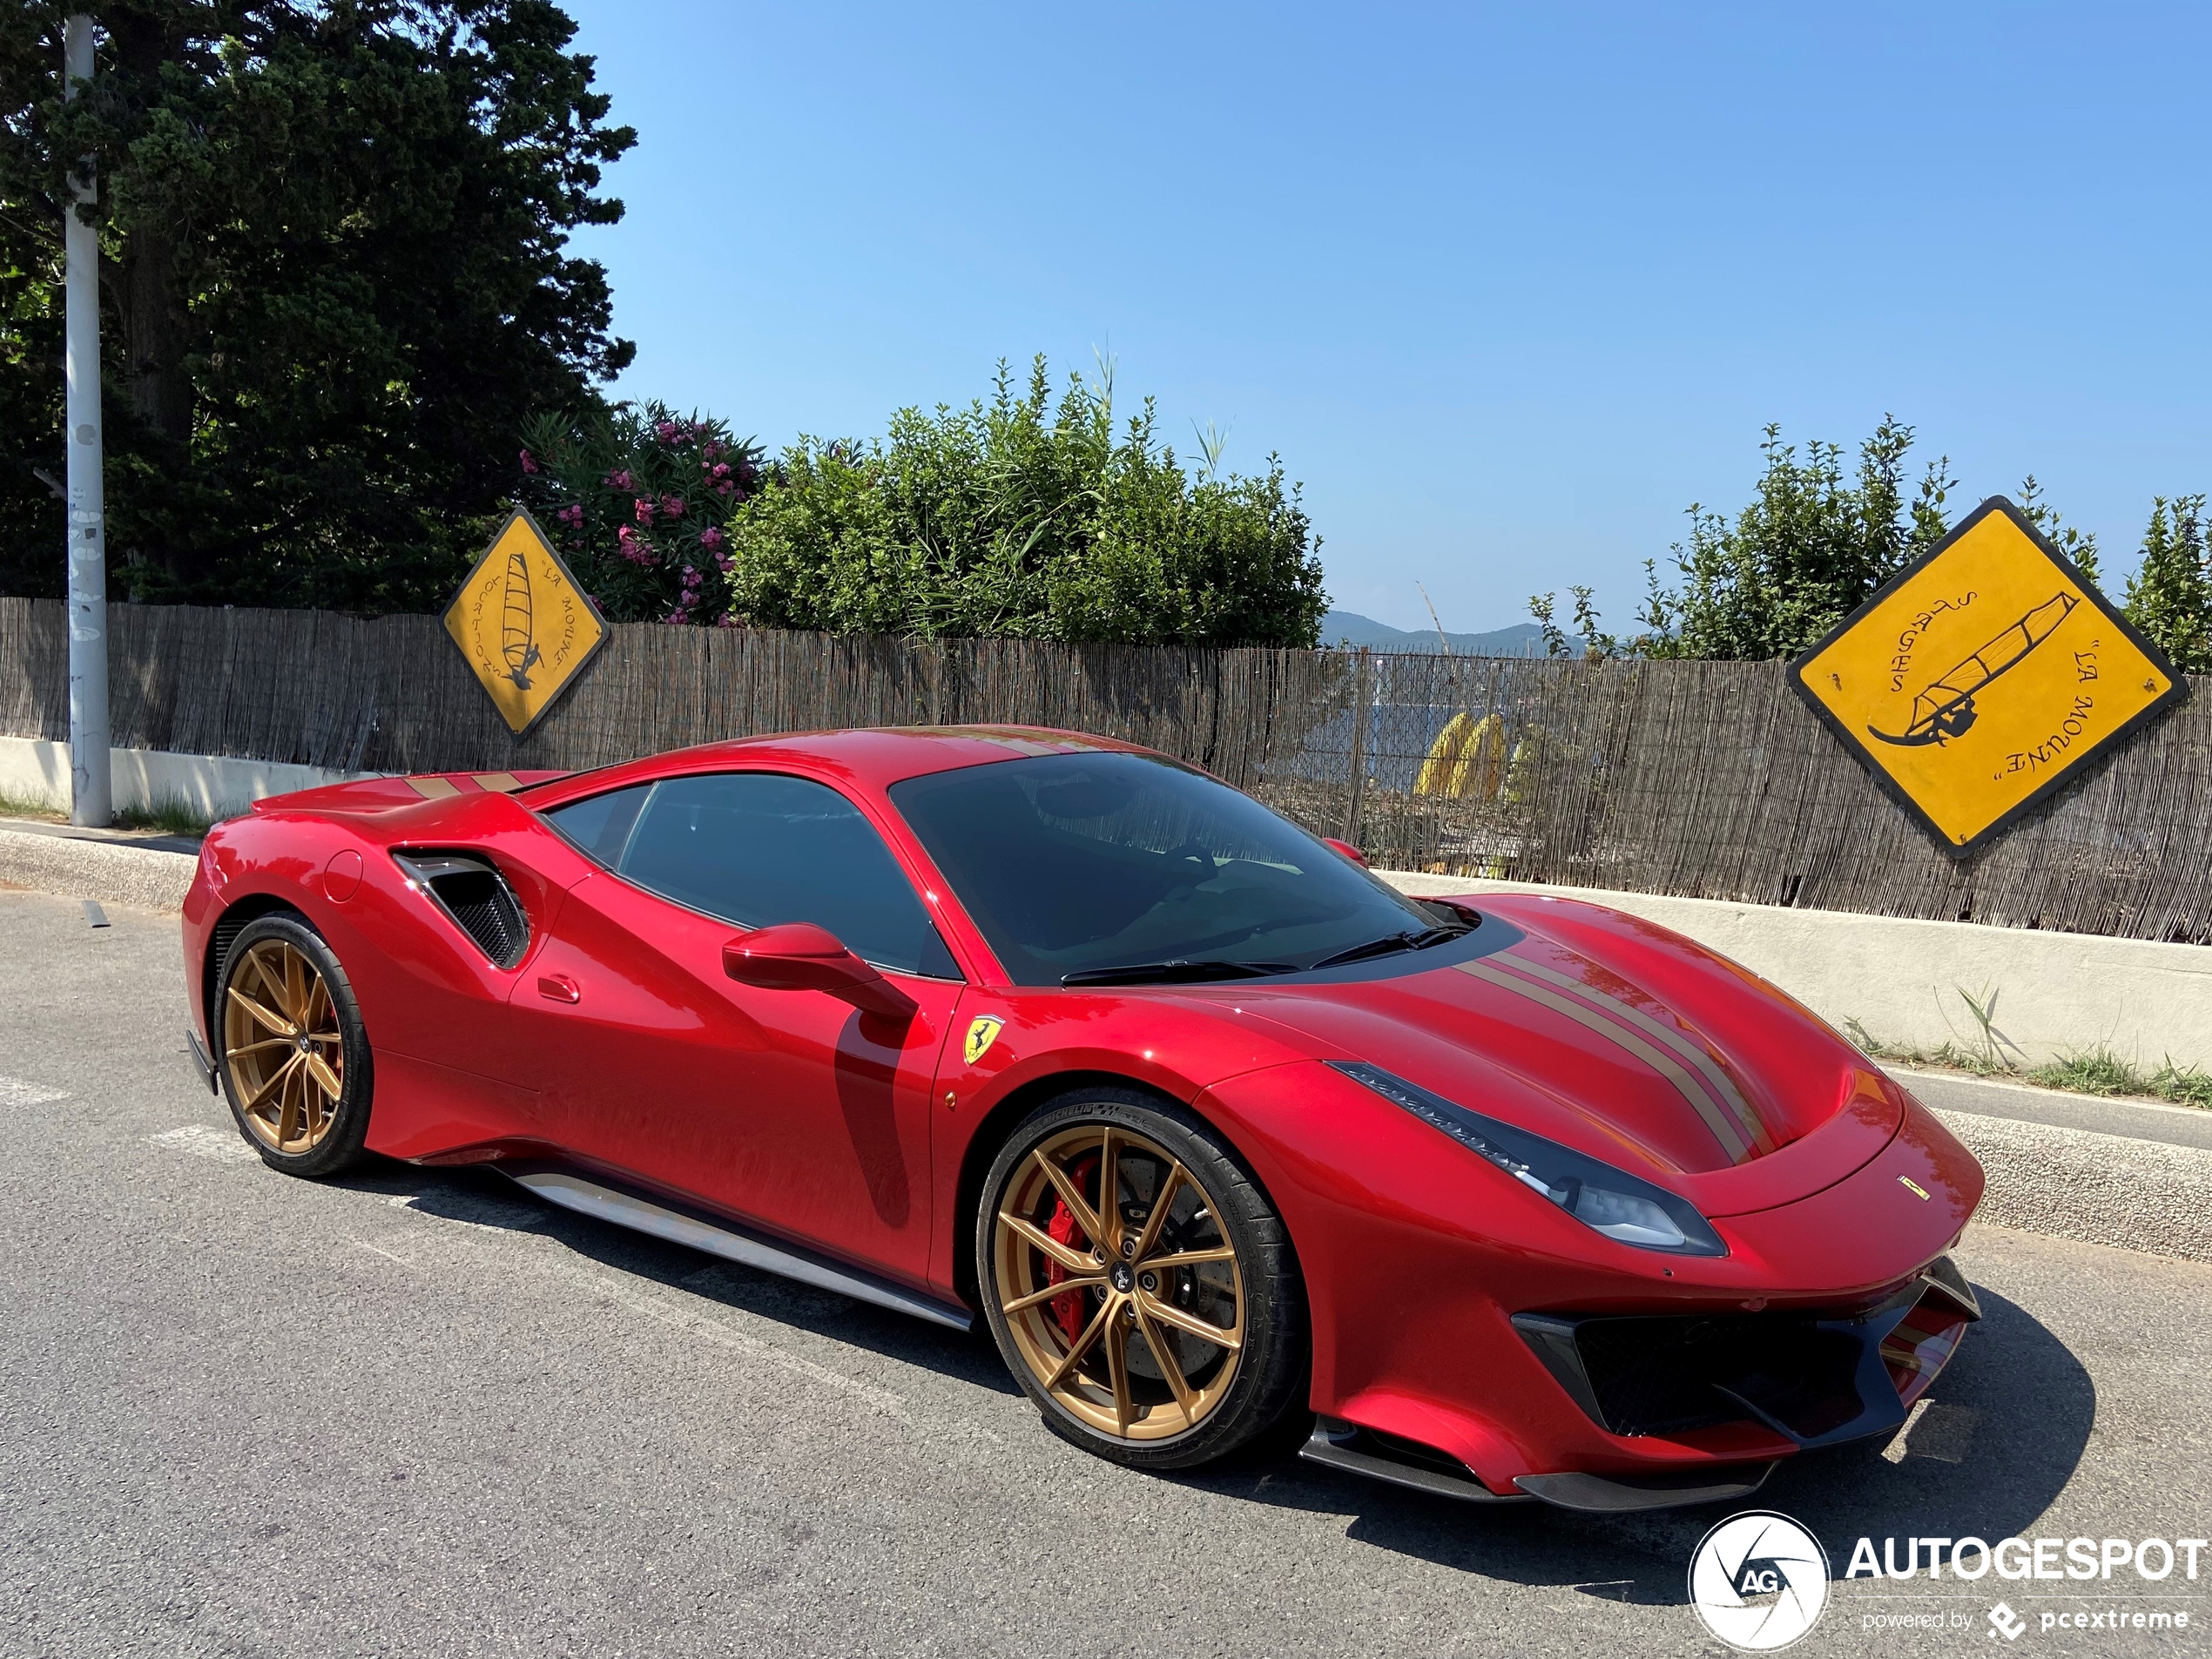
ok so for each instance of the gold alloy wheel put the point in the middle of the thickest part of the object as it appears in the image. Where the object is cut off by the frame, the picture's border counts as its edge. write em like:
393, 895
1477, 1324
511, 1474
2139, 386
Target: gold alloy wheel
1129, 1313
281, 1042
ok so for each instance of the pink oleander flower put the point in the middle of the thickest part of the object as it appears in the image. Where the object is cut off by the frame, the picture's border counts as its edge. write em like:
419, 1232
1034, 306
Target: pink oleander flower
721, 469
644, 510
528, 464
571, 515
725, 620
619, 480
724, 487
667, 431
724, 563
672, 506
710, 449
711, 538
634, 547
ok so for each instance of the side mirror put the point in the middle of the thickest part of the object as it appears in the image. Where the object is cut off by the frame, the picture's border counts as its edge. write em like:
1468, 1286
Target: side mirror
1348, 849
798, 956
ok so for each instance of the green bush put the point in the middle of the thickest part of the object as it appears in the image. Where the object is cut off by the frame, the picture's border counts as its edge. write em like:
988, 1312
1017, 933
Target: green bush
1022, 516
1814, 544
2169, 598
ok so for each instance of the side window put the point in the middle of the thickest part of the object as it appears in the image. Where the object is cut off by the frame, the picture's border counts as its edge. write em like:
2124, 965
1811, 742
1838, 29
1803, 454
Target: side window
600, 824
757, 849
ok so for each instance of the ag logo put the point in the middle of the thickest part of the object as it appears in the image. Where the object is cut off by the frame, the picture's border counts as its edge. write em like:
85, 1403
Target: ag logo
1759, 1581
982, 1036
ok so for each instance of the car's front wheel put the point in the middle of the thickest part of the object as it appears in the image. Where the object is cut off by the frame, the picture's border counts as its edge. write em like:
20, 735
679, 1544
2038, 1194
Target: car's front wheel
295, 1062
1140, 1286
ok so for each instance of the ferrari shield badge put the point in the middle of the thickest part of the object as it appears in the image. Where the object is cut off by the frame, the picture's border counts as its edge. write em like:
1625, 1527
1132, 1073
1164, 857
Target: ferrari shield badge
525, 628
981, 1035
1983, 678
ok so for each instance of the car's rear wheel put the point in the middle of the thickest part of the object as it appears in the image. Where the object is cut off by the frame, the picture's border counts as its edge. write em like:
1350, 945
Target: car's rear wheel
295, 1063
1141, 1287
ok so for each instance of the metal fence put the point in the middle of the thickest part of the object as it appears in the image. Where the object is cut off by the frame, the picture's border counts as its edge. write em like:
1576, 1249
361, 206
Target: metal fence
1707, 779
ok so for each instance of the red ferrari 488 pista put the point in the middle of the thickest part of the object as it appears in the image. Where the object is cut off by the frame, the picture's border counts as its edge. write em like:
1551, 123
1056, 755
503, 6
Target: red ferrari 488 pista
1521, 1197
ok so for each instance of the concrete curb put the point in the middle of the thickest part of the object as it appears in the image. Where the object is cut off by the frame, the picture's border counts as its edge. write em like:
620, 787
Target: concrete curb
138, 876
2142, 1196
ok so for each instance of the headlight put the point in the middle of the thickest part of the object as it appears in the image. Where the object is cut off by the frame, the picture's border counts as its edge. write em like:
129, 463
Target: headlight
1606, 1200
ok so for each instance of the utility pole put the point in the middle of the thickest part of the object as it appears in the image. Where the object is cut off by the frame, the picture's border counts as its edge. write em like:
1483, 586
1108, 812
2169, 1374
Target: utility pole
92, 794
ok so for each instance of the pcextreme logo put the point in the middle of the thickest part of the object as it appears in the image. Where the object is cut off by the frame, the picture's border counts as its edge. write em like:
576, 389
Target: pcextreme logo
1759, 1581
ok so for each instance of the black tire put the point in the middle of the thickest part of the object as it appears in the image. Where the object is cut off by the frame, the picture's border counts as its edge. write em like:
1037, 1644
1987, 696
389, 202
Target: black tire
328, 1139
1270, 1368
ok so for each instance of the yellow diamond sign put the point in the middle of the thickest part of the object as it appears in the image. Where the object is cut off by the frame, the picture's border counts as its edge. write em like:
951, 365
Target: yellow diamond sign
1983, 678
524, 624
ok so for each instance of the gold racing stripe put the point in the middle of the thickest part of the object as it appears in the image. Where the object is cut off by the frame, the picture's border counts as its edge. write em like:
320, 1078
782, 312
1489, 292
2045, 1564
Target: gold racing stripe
1732, 1140
1678, 1043
434, 788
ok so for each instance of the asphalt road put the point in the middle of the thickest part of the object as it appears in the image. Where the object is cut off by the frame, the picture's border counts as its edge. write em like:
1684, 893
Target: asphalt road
418, 1412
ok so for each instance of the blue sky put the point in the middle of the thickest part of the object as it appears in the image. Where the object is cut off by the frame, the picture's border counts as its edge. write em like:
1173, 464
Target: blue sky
1507, 287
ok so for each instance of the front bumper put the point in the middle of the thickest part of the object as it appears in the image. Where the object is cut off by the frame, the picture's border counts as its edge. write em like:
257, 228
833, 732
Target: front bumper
1816, 1379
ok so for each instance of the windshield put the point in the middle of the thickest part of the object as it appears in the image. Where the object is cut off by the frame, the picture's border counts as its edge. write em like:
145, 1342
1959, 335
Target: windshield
1075, 865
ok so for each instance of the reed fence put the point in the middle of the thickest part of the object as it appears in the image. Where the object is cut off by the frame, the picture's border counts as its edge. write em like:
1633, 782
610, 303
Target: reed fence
1706, 780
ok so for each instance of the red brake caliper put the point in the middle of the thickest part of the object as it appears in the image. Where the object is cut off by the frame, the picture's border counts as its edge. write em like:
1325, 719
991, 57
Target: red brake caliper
1062, 1229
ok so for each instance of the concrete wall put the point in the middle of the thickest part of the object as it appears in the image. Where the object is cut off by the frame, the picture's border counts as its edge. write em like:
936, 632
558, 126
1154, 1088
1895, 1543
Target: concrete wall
212, 785
1903, 980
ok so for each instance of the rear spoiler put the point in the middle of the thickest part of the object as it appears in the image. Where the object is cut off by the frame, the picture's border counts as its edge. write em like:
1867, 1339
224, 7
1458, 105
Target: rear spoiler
382, 794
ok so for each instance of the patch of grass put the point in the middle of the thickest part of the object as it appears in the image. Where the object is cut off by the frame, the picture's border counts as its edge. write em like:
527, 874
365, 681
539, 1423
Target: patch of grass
2091, 1071
2183, 1085
13, 805
2085, 1071
1949, 1055
170, 815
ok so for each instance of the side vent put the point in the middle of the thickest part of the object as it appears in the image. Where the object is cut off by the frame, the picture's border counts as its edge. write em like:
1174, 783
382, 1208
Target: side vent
477, 898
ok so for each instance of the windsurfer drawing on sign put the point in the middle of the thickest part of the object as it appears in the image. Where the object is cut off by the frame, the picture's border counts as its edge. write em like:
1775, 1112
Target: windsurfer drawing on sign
1946, 708
517, 644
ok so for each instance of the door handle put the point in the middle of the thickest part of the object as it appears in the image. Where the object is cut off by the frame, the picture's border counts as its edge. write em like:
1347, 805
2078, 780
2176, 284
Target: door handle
559, 987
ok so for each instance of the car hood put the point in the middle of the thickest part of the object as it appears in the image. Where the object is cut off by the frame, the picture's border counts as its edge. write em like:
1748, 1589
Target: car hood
1617, 1037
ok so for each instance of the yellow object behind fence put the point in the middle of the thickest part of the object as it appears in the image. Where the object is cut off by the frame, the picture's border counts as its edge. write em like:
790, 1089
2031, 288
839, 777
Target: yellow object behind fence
1466, 761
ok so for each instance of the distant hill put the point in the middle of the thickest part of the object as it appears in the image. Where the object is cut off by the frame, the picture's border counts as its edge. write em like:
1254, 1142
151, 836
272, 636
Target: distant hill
1350, 628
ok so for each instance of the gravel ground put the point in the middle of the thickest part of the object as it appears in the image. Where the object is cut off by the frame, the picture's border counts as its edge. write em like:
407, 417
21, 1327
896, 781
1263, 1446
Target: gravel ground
416, 1412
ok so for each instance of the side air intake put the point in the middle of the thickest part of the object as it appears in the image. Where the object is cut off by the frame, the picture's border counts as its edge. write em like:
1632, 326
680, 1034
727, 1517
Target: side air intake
477, 898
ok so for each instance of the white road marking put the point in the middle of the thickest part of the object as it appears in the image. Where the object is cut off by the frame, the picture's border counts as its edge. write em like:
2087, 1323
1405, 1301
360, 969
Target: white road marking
475, 1209
724, 1336
523, 1222
384, 1253
1944, 1433
1895, 1451
218, 1146
20, 1091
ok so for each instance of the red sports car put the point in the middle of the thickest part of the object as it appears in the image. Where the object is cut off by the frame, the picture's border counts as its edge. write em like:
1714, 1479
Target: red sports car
1519, 1196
